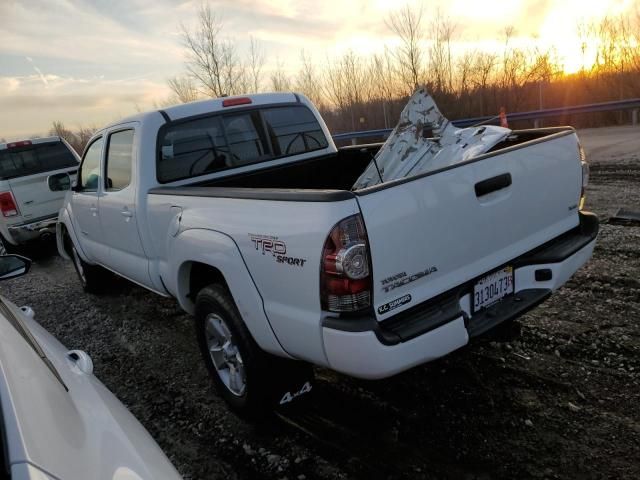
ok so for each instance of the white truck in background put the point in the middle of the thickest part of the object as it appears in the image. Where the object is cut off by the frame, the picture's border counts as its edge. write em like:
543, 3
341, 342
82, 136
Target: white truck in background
242, 208
34, 177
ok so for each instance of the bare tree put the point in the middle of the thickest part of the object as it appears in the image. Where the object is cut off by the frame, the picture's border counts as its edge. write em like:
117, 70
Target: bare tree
407, 25
481, 76
213, 60
59, 130
384, 83
256, 64
308, 80
83, 135
78, 139
347, 84
440, 58
280, 82
464, 71
183, 90
516, 71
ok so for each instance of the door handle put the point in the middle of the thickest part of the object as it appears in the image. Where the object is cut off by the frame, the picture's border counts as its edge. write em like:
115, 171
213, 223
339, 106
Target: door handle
126, 213
492, 184
94, 211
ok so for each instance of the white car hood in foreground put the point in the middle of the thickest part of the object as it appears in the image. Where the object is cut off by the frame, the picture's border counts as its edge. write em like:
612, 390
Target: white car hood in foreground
81, 434
408, 153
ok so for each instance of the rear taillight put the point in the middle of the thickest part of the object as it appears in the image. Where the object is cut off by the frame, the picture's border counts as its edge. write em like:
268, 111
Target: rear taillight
585, 176
345, 274
8, 205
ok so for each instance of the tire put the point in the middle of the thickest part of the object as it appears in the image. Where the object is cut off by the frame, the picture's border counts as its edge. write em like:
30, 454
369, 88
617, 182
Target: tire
6, 248
92, 277
251, 381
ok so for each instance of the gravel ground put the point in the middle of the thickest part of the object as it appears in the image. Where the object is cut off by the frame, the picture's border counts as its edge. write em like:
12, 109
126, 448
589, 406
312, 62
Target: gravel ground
559, 400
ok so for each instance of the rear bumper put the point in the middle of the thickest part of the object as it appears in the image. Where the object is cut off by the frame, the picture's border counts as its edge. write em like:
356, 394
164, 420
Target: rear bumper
365, 348
33, 230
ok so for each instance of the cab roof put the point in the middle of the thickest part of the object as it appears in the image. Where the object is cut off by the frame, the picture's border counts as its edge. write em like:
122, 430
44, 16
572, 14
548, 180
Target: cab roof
33, 141
177, 112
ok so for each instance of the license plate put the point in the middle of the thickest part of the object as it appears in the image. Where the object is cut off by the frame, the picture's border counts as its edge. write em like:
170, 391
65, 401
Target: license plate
493, 287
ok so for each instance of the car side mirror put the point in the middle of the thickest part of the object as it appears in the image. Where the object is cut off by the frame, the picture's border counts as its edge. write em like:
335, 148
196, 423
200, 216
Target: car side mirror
13, 266
59, 182
75, 186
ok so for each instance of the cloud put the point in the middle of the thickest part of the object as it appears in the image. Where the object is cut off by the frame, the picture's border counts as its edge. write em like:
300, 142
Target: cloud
76, 31
74, 101
38, 71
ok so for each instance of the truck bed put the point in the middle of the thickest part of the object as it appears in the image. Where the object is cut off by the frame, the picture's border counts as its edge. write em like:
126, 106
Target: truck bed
331, 172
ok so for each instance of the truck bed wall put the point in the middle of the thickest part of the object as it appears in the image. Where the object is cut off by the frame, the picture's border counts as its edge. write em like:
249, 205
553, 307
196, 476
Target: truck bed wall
331, 172
338, 171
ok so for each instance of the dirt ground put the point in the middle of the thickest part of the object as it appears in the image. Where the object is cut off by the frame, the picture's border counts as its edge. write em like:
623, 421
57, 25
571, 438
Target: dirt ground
561, 400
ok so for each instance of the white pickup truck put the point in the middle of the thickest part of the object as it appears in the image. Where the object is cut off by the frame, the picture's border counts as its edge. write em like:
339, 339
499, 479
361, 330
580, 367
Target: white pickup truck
34, 175
242, 208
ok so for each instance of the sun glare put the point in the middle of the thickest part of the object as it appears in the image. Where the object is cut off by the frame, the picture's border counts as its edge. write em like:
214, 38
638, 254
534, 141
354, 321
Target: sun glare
560, 30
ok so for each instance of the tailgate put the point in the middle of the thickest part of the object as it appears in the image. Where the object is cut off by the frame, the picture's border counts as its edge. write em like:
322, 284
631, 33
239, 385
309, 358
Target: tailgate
33, 196
436, 231
26, 167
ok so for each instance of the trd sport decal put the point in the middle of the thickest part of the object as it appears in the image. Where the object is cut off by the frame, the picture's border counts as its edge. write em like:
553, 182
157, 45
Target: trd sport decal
393, 304
277, 248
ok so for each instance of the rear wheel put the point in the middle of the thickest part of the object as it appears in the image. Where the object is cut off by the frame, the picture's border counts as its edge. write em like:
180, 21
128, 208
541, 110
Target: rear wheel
6, 248
250, 380
92, 277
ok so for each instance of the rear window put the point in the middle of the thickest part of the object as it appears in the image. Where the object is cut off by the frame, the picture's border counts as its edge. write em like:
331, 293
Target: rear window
35, 158
293, 130
220, 142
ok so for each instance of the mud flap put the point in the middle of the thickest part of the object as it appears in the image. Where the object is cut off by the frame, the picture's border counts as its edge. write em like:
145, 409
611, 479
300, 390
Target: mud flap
293, 384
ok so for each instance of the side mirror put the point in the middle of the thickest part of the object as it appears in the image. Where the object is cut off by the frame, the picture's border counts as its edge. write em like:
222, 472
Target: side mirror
13, 266
75, 187
59, 182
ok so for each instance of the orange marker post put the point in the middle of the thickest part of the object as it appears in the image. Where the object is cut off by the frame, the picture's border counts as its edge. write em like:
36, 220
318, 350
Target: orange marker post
503, 118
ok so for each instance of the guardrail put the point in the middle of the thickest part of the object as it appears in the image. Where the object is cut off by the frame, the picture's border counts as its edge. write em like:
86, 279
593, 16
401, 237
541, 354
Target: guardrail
632, 104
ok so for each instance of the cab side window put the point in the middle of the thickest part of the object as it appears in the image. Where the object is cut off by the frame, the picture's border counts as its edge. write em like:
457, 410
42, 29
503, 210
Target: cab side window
118, 160
89, 174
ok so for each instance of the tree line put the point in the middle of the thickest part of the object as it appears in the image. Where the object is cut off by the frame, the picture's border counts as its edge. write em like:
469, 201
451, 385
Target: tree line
363, 92
357, 92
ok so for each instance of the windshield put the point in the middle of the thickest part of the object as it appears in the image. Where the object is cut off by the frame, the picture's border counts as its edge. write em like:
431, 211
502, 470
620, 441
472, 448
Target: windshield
35, 158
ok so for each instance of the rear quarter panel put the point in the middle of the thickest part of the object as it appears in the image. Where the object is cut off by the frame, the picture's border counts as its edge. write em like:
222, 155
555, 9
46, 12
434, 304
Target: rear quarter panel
267, 234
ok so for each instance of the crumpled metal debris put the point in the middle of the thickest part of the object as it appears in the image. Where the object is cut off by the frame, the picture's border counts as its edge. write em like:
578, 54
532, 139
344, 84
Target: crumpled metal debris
424, 140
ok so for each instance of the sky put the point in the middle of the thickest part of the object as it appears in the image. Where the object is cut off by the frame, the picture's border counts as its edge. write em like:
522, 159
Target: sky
90, 62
